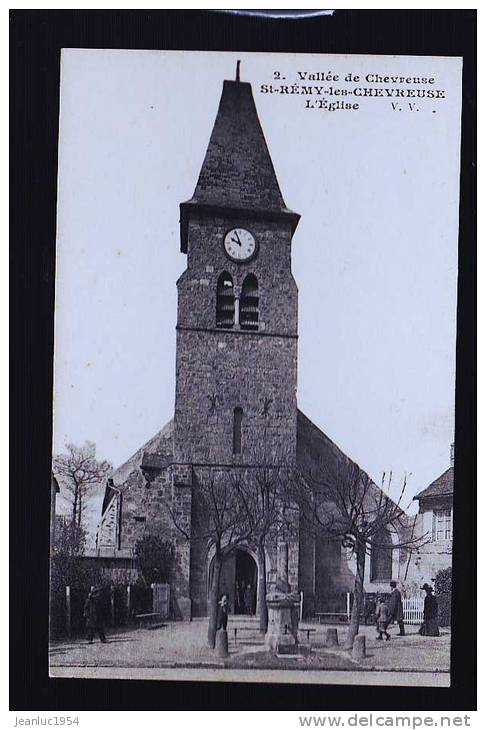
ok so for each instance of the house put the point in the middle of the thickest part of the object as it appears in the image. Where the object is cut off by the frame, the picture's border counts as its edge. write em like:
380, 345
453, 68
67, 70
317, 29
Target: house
435, 518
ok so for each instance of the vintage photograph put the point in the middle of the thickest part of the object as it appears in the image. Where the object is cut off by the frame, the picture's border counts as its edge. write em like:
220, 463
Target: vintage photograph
254, 371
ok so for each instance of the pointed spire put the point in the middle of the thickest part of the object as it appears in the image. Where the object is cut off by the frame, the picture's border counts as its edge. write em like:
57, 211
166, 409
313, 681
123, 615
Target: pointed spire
237, 169
237, 172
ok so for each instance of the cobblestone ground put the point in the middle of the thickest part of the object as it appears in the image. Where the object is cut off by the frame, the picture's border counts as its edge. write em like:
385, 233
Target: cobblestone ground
184, 645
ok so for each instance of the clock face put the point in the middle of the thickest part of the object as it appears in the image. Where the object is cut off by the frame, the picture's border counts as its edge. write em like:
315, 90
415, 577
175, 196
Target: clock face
240, 244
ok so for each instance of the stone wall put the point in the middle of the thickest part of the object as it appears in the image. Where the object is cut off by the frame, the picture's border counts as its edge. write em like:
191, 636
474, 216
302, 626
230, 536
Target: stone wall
218, 370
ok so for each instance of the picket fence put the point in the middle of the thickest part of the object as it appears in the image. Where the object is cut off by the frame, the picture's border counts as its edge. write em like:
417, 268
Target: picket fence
413, 610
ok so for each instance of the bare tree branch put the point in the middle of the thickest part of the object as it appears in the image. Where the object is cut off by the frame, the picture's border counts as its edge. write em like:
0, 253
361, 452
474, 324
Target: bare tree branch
78, 473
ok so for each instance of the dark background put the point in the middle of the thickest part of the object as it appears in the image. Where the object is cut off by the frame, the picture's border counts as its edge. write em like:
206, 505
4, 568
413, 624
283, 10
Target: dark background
36, 38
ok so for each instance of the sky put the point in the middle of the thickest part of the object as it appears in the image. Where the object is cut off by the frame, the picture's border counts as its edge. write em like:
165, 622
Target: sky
374, 255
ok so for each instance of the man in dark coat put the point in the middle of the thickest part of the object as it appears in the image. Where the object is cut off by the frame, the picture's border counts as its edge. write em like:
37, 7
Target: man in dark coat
93, 614
395, 607
222, 617
238, 606
248, 599
430, 626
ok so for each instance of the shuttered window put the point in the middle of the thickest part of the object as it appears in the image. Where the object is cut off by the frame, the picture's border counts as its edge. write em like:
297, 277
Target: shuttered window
225, 301
249, 303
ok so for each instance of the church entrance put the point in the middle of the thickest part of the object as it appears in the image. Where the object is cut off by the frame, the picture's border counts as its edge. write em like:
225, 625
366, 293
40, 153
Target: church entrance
238, 579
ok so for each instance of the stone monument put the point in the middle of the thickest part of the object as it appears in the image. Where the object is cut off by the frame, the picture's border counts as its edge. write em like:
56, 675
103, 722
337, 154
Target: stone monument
283, 610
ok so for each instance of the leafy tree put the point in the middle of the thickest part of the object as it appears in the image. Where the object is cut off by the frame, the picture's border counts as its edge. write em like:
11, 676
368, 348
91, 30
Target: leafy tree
443, 581
443, 589
68, 569
79, 472
155, 557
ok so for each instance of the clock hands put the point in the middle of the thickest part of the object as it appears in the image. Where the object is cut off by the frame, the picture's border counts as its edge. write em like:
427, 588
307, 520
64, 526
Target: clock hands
245, 242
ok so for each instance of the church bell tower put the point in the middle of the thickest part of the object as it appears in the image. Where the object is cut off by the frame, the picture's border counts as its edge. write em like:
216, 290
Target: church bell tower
236, 361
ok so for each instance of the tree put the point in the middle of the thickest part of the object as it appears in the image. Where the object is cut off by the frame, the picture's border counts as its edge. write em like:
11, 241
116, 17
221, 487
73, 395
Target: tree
268, 513
155, 557
443, 581
79, 473
68, 569
443, 589
223, 526
341, 501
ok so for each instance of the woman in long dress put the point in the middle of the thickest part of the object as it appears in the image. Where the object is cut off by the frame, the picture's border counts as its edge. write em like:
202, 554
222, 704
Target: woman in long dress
430, 626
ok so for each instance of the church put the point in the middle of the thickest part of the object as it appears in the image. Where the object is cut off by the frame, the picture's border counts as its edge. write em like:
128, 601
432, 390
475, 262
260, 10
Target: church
236, 385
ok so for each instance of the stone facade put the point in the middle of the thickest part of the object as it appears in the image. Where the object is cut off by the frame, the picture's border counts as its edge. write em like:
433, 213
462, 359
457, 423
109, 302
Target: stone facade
222, 370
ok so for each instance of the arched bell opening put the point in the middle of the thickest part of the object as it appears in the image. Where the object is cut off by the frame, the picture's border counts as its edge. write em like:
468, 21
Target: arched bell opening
249, 304
225, 301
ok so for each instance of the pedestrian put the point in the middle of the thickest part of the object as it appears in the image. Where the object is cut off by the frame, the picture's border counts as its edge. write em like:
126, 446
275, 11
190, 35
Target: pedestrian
241, 596
93, 614
222, 617
237, 597
395, 607
369, 611
382, 620
248, 599
430, 626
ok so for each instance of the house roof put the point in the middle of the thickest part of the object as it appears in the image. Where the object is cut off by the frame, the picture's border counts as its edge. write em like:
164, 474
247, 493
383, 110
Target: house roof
442, 486
237, 171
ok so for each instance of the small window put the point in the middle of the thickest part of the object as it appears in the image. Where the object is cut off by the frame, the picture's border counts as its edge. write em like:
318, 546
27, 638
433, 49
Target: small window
249, 312
382, 557
442, 524
237, 419
139, 519
225, 301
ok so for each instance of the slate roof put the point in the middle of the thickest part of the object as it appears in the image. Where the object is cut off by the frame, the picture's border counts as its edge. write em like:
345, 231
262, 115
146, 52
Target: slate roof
316, 453
442, 486
314, 446
237, 171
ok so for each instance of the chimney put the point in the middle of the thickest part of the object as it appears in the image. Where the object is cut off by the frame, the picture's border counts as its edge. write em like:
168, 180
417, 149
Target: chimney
452, 454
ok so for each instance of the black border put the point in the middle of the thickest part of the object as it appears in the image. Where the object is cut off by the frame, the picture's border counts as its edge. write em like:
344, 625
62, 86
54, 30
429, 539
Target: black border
36, 39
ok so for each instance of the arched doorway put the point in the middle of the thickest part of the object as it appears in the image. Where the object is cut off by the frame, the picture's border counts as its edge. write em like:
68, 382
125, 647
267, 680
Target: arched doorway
239, 576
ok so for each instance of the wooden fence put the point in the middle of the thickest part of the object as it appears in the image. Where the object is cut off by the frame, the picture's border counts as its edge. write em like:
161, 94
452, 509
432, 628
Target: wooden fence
119, 605
413, 610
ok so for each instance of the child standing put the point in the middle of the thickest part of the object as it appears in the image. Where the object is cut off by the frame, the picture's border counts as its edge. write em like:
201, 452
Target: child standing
382, 618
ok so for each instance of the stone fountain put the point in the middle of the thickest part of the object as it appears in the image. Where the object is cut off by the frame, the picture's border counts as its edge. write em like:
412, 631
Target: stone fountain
283, 622
283, 606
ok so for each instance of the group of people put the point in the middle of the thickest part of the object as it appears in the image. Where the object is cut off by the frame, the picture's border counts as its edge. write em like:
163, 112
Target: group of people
386, 611
392, 610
